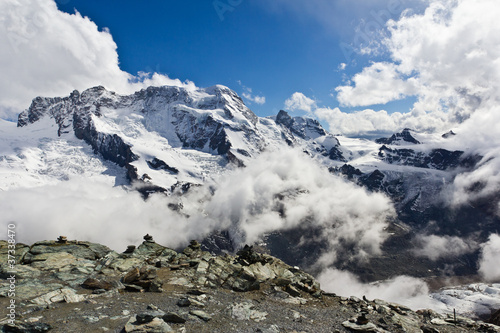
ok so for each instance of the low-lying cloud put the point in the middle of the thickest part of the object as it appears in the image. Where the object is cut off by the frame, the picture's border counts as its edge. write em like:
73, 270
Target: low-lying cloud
87, 210
277, 191
437, 247
378, 123
490, 257
280, 190
406, 290
478, 135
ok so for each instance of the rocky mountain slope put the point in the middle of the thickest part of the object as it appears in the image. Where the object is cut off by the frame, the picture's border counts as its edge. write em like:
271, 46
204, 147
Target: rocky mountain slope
78, 286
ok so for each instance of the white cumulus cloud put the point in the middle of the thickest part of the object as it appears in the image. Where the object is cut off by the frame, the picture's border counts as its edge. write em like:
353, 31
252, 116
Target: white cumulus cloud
256, 99
47, 52
249, 96
378, 84
300, 102
449, 57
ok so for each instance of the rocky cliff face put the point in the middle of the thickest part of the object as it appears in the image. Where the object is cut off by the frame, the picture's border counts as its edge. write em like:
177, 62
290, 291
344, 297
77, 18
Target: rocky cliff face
64, 286
307, 129
438, 159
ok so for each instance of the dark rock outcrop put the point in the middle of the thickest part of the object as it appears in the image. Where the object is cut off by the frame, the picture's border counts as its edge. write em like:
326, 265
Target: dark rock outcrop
306, 129
302, 127
398, 138
158, 164
440, 159
495, 318
349, 171
448, 134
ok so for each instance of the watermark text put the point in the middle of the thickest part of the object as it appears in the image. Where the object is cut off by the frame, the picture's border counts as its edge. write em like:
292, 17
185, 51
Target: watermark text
223, 6
11, 272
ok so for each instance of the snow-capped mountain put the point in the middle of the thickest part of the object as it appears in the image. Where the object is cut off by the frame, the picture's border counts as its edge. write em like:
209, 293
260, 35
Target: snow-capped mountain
164, 136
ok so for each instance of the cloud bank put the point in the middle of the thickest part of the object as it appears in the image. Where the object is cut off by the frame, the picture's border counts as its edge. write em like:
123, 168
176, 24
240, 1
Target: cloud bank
406, 290
437, 247
277, 191
478, 135
378, 123
490, 257
281, 190
50, 53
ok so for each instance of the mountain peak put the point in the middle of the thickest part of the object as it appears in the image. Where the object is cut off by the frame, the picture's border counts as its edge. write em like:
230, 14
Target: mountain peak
303, 127
399, 138
284, 118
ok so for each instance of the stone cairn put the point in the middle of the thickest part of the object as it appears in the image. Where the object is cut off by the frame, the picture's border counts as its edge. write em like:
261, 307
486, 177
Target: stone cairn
130, 249
62, 239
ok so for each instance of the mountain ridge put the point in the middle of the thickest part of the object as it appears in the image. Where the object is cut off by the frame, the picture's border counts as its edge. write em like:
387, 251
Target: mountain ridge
75, 285
213, 120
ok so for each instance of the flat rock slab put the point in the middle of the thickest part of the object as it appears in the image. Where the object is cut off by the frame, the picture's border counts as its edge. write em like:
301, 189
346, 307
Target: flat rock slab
201, 314
20, 327
156, 325
369, 327
246, 311
173, 317
31, 289
67, 295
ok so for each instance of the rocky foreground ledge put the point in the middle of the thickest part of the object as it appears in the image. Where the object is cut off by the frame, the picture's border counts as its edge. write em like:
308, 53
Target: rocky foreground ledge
75, 286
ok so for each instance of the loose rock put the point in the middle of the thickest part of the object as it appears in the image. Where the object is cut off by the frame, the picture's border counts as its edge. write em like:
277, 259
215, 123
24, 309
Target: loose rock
20, 327
201, 314
156, 325
173, 317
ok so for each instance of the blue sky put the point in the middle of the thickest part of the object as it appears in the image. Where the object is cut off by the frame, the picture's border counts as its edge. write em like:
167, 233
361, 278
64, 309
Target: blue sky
363, 67
273, 51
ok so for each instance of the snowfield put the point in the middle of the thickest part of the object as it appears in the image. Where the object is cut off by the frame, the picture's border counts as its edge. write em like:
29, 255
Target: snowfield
476, 300
31, 157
